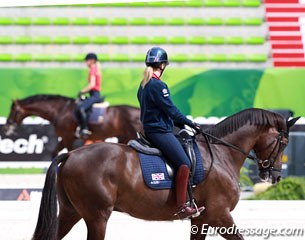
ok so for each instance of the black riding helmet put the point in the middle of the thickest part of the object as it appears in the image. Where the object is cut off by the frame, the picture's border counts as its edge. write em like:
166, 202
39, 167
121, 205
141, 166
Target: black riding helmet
90, 56
155, 57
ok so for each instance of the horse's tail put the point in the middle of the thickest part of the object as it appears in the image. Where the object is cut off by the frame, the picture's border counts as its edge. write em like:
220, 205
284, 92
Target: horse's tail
47, 223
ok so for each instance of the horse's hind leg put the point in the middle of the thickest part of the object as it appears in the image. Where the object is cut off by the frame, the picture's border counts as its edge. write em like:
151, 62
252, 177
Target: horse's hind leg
97, 224
68, 215
96, 229
66, 220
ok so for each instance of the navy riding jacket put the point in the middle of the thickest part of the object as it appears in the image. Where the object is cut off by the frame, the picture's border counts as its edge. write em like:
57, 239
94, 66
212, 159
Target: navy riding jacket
158, 112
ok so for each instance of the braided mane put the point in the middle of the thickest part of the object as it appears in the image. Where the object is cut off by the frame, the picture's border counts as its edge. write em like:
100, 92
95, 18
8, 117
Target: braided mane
251, 116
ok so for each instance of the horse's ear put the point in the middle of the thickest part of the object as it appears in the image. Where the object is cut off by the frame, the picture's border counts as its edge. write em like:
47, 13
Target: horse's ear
291, 122
14, 102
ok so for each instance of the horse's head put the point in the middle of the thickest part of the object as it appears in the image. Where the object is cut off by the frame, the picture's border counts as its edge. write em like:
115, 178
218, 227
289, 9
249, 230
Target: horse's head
17, 114
269, 151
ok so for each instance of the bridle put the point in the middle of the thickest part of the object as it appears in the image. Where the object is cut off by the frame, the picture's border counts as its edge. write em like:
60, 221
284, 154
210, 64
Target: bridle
264, 165
268, 164
16, 113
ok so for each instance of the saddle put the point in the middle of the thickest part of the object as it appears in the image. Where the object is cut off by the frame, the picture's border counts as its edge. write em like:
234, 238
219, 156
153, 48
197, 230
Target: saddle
142, 145
96, 113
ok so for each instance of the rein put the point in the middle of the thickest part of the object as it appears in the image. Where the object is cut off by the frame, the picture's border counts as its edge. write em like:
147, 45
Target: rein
266, 165
211, 153
55, 119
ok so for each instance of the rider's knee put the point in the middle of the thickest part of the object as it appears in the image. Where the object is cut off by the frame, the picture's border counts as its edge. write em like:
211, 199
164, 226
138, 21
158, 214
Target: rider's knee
82, 110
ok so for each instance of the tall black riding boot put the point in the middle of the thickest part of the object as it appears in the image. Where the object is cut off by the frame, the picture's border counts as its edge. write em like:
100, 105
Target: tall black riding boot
83, 118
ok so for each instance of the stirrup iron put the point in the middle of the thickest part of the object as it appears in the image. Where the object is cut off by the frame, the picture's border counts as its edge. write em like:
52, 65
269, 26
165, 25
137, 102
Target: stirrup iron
197, 210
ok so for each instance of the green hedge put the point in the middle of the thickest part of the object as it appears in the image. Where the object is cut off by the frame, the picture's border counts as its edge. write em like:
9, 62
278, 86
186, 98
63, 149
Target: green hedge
244, 178
291, 188
22, 170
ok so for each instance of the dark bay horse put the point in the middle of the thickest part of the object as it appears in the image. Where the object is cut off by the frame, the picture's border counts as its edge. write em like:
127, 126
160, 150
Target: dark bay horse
120, 121
94, 180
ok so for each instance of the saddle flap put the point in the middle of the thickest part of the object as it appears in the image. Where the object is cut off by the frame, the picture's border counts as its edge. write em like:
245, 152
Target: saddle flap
187, 141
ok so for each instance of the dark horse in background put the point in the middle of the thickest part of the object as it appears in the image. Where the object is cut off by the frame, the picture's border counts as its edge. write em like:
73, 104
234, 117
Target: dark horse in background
120, 121
94, 180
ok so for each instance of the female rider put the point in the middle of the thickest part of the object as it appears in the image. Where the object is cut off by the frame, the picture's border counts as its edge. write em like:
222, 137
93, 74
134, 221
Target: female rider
158, 115
93, 88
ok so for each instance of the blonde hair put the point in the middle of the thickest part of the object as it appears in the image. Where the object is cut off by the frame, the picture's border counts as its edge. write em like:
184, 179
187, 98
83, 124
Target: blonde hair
147, 75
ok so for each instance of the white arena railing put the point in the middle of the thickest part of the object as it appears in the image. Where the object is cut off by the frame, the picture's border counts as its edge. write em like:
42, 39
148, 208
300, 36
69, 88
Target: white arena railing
200, 120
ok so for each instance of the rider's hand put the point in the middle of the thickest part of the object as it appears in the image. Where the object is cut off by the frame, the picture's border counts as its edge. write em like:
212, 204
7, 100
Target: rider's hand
80, 94
197, 127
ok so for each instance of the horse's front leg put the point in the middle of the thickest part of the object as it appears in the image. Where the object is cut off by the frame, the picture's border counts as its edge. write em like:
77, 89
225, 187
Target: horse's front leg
225, 226
198, 228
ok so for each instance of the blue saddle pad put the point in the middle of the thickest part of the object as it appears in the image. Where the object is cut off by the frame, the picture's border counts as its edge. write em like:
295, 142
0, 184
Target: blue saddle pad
96, 115
155, 174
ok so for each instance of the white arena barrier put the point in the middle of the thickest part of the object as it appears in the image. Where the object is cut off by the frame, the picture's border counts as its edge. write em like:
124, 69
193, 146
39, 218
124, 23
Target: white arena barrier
18, 220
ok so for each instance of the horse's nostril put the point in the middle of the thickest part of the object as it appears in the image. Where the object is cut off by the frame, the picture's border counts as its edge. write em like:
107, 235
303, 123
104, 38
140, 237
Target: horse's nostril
278, 178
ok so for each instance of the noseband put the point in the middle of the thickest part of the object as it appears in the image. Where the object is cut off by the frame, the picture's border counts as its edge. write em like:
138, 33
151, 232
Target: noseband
264, 165
268, 164
12, 121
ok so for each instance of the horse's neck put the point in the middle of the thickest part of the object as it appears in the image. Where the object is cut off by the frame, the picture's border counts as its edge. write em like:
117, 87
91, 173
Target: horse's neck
244, 139
46, 110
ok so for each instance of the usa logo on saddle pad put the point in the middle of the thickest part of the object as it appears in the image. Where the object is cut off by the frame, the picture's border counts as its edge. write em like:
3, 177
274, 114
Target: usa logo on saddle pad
155, 172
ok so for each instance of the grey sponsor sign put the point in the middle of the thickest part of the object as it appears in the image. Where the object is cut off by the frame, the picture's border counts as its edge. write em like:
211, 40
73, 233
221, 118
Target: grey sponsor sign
18, 194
